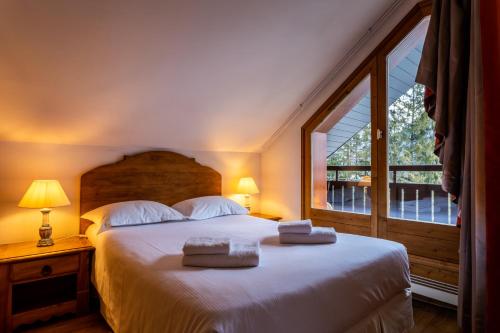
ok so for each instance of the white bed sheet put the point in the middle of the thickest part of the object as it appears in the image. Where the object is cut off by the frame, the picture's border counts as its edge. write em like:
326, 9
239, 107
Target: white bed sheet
296, 288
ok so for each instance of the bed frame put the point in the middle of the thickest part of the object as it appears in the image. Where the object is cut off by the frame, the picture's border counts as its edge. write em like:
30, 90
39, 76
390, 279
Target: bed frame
160, 176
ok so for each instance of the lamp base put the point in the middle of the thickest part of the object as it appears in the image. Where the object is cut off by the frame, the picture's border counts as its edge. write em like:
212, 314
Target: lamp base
247, 203
45, 230
45, 242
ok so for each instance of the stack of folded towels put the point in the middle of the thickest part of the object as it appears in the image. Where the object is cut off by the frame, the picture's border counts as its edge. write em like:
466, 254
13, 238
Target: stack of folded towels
220, 252
302, 232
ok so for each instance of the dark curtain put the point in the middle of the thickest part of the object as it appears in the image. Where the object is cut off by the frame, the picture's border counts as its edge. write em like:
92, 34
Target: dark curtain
490, 39
443, 71
451, 70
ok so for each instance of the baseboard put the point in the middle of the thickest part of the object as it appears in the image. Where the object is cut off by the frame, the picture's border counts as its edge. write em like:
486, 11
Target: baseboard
436, 291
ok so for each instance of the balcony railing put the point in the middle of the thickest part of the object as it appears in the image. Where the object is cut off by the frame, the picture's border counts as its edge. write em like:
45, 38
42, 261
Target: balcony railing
407, 200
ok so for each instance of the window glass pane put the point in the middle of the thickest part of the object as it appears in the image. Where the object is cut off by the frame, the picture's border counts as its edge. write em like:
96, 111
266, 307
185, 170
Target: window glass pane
414, 172
341, 148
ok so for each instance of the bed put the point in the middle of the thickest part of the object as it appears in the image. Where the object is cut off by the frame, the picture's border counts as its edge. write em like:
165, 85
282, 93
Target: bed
359, 284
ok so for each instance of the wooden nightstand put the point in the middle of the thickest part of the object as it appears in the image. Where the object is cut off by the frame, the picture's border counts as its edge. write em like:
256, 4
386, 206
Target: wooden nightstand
37, 283
266, 216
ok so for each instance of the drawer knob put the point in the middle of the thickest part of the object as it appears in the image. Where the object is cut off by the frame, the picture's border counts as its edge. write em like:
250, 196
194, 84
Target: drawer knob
46, 270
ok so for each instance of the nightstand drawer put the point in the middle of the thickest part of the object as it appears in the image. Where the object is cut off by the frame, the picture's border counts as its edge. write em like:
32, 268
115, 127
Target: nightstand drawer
44, 267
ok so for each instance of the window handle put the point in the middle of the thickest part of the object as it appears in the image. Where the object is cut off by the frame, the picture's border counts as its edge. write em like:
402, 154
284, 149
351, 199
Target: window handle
380, 134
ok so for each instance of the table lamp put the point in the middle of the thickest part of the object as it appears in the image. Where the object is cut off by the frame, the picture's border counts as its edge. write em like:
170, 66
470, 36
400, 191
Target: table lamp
247, 187
44, 194
365, 181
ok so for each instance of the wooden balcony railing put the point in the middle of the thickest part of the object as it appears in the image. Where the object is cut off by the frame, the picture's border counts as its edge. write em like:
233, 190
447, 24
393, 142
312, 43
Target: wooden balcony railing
418, 201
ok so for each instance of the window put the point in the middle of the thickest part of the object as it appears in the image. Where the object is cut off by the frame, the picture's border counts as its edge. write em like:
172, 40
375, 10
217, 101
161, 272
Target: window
368, 165
342, 155
414, 172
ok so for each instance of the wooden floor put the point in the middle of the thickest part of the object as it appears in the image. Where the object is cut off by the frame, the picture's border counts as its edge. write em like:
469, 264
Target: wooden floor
428, 319
91, 323
433, 319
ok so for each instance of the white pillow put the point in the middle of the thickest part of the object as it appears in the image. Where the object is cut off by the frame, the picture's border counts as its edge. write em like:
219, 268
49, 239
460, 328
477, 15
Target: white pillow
132, 213
206, 207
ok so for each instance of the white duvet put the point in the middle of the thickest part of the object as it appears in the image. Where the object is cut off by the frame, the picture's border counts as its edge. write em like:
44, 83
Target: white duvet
296, 288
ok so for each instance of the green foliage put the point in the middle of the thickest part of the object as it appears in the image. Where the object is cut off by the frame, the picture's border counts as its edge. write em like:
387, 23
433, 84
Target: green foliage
411, 140
356, 151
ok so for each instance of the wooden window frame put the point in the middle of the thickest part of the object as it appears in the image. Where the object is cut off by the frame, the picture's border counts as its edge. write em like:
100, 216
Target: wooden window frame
362, 224
432, 248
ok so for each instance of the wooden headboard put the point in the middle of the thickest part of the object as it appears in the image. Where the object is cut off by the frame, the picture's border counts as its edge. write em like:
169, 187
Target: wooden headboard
160, 176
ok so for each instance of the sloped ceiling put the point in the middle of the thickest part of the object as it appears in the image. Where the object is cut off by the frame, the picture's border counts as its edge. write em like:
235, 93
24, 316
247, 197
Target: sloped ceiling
207, 74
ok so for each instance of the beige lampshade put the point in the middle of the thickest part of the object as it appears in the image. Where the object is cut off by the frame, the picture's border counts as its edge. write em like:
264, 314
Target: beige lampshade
44, 194
247, 186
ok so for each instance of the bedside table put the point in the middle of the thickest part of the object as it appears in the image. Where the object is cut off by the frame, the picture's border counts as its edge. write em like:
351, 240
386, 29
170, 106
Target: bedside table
37, 283
266, 216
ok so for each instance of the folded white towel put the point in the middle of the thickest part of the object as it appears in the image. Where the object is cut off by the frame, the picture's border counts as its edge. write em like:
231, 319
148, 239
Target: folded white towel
318, 235
295, 227
241, 255
207, 245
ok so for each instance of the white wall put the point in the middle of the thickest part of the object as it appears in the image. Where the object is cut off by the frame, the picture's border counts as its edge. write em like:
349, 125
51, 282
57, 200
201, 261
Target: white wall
20, 163
199, 75
281, 160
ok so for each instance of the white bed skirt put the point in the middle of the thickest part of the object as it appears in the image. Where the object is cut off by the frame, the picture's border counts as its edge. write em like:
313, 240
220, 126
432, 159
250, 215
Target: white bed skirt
395, 316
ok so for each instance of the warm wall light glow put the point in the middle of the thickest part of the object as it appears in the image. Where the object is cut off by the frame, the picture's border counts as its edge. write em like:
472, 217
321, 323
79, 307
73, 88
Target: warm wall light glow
44, 194
247, 186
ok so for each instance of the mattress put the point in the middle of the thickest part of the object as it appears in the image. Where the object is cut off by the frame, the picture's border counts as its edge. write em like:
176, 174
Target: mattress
357, 283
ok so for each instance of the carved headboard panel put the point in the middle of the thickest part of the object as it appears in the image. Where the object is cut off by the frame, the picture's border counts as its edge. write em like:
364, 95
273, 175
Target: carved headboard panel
160, 176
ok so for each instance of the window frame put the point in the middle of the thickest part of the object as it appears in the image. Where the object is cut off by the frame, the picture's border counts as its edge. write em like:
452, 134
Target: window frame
432, 248
346, 221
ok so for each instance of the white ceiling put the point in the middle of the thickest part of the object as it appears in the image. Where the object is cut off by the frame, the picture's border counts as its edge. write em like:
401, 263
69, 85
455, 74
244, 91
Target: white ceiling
207, 74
